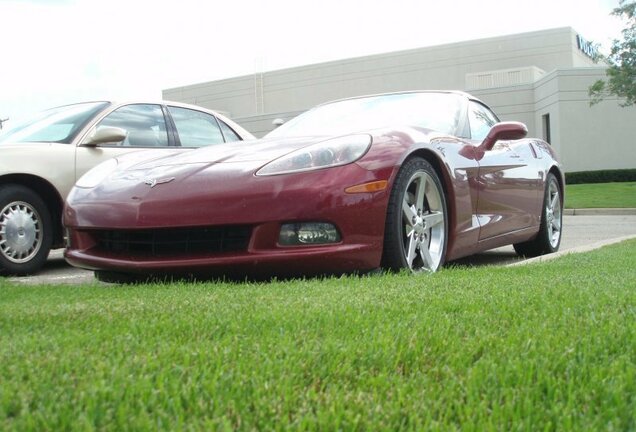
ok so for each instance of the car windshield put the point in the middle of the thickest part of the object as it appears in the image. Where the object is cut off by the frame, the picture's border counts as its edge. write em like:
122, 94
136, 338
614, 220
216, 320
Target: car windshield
59, 124
437, 111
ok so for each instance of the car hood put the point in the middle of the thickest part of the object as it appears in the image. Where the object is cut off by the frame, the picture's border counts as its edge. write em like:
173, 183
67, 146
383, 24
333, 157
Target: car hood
247, 153
147, 186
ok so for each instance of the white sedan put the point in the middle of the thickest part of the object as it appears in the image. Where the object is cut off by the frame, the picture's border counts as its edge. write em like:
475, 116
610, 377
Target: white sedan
41, 159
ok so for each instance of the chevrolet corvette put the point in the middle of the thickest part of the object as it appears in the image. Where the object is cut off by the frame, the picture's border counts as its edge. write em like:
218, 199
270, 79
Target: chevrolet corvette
396, 181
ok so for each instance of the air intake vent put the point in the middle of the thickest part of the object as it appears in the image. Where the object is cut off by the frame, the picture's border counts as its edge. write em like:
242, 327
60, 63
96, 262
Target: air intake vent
174, 241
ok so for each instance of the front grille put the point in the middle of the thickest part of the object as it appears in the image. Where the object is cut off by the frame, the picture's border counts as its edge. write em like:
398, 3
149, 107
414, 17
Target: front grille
173, 241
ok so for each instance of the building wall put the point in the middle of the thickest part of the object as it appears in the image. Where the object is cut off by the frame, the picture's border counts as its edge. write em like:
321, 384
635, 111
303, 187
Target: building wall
593, 137
585, 137
523, 77
442, 67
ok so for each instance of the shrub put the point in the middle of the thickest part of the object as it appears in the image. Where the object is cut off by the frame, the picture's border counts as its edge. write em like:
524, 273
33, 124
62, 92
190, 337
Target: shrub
601, 176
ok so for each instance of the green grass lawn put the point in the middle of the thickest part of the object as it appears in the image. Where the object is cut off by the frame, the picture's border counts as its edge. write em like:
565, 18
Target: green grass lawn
601, 195
548, 346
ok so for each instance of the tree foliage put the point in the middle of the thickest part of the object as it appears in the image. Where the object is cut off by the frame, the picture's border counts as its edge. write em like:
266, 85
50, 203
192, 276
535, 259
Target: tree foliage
621, 73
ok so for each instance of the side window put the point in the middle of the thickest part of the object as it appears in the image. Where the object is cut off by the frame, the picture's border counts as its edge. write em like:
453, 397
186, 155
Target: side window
481, 119
196, 128
228, 133
144, 123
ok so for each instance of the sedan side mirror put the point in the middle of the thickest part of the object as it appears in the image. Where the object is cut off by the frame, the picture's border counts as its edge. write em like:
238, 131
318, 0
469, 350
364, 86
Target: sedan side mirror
105, 134
503, 131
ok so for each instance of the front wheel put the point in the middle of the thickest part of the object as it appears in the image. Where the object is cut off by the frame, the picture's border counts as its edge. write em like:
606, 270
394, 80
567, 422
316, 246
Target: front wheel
25, 230
548, 239
416, 227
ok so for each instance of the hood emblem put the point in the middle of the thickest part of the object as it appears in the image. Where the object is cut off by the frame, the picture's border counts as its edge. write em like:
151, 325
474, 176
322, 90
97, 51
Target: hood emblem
152, 182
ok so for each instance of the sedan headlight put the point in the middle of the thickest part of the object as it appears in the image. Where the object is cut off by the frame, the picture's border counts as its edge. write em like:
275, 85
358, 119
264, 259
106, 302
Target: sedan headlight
95, 176
325, 154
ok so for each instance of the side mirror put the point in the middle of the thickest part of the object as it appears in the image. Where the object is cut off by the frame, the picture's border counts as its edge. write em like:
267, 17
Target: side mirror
278, 122
105, 134
503, 131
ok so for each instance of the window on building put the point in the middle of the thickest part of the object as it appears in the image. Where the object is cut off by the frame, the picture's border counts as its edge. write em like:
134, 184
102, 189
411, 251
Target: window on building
546, 128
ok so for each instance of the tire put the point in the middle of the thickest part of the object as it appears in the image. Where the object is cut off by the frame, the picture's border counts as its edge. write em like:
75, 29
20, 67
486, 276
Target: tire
548, 239
26, 231
416, 230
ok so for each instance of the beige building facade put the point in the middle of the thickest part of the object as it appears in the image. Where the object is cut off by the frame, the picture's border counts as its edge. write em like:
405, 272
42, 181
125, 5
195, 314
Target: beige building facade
540, 78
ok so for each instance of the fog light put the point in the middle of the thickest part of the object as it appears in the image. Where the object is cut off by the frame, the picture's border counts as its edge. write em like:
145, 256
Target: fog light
308, 233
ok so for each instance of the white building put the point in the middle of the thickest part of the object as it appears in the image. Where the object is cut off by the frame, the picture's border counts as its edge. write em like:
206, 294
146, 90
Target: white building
540, 78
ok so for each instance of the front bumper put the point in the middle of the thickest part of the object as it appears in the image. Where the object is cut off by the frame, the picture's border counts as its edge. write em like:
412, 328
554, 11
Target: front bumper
261, 203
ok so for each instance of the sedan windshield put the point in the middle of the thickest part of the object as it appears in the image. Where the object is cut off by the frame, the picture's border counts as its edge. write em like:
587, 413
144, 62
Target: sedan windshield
59, 124
437, 111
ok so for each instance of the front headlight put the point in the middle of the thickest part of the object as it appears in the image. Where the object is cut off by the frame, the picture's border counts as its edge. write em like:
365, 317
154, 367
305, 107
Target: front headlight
95, 176
325, 154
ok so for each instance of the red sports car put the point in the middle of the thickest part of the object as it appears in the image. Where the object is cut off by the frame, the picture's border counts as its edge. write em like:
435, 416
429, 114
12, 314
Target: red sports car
396, 181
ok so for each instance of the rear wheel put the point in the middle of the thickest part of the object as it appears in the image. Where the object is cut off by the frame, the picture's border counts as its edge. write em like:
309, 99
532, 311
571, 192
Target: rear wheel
548, 239
25, 230
416, 228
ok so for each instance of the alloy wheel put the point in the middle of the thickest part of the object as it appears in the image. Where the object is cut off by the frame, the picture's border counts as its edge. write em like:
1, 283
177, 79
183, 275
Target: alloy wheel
423, 216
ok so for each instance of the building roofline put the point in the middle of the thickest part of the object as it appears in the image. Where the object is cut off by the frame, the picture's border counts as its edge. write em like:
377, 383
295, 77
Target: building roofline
490, 39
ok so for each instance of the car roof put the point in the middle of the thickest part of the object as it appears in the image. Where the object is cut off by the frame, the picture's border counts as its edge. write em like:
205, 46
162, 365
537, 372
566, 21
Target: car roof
142, 101
221, 115
162, 102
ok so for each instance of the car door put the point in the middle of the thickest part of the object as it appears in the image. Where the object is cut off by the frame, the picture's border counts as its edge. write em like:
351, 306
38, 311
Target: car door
505, 182
145, 125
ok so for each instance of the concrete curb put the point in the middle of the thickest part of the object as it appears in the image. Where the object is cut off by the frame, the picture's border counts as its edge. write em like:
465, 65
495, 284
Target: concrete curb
600, 211
579, 249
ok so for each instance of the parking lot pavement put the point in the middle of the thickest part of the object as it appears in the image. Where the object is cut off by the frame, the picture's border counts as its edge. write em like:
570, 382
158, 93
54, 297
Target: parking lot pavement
579, 232
57, 271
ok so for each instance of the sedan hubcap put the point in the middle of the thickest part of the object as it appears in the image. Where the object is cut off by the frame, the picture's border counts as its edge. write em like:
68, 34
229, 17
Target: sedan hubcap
20, 232
424, 230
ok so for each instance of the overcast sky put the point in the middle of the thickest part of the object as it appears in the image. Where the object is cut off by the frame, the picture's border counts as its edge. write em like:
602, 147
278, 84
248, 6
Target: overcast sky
54, 52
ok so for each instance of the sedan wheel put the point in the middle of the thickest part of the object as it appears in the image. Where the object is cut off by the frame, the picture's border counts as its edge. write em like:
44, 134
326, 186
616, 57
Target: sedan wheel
417, 223
548, 239
25, 237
